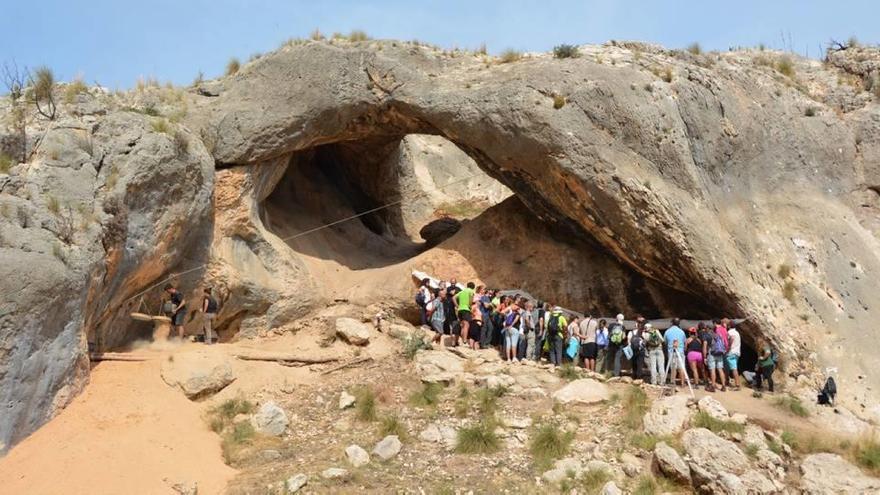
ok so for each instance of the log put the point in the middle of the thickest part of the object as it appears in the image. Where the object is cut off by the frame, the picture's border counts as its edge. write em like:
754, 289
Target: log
347, 365
285, 357
116, 356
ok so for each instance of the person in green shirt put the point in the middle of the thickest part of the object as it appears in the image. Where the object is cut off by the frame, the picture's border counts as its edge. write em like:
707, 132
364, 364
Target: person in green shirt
765, 366
463, 302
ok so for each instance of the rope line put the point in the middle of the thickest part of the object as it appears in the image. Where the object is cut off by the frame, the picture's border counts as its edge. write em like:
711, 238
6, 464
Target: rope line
309, 231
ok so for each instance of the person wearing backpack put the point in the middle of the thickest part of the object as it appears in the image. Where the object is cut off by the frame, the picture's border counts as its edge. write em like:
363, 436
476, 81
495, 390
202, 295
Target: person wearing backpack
637, 347
602, 346
616, 342
209, 313
573, 341
765, 366
732, 359
715, 360
556, 326
656, 359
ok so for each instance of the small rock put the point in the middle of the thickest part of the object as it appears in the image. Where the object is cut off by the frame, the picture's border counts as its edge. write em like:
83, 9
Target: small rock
610, 489
583, 391
346, 400
357, 456
517, 423
270, 454
186, 488
198, 374
739, 418
670, 463
334, 473
270, 419
632, 466
561, 470
387, 448
295, 483
353, 331
713, 408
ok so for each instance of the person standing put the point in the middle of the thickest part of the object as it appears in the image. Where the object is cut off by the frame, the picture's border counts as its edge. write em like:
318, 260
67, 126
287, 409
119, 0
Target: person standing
637, 346
695, 352
463, 302
530, 317
423, 296
765, 366
178, 309
656, 361
485, 300
616, 342
438, 316
602, 346
511, 332
715, 359
209, 314
588, 341
556, 328
733, 353
675, 343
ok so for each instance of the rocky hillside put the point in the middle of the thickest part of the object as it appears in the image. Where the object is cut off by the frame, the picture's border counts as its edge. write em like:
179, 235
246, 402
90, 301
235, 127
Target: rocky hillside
746, 181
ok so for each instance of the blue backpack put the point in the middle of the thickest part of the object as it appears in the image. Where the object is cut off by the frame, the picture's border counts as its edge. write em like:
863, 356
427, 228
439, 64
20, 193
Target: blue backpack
718, 347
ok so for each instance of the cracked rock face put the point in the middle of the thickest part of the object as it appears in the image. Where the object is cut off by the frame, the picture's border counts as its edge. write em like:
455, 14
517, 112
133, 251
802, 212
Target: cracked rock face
727, 182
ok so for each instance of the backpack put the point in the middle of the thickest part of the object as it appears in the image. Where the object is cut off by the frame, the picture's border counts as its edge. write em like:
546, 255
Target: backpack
826, 396
718, 347
635, 342
553, 324
602, 338
616, 334
655, 339
212, 304
420, 298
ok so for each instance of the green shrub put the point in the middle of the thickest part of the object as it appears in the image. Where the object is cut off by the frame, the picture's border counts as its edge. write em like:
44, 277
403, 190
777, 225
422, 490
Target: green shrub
5, 163
593, 480
242, 432
365, 404
510, 55
477, 439
789, 291
43, 83
695, 49
428, 396
558, 102
232, 66
412, 344
391, 425
358, 35
751, 450
867, 454
566, 51
487, 400
463, 403
548, 443
231, 408
784, 271
704, 420
785, 66
792, 404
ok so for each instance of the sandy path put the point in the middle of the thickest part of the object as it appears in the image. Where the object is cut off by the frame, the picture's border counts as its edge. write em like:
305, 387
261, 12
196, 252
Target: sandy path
126, 433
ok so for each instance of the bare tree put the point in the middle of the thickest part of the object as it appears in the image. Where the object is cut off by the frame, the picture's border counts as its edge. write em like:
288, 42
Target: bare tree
14, 79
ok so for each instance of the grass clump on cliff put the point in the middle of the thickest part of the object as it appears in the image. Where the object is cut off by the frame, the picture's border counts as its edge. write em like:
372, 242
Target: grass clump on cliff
161, 125
74, 88
5, 163
704, 420
568, 372
358, 35
510, 55
558, 101
365, 404
428, 396
789, 291
566, 51
785, 66
695, 49
392, 425
479, 438
548, 443
219, 417
792, 404
232, 66
635, 405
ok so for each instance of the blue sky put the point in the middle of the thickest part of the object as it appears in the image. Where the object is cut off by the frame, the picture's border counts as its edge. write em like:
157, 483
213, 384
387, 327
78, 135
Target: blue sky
115, 42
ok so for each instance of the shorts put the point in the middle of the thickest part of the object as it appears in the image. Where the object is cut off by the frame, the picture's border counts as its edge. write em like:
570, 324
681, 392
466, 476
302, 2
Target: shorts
589, 350
474, 330
678, 364
177, 318
511, 337
732, 361
465, 315
714, 362
695, 357
437, 325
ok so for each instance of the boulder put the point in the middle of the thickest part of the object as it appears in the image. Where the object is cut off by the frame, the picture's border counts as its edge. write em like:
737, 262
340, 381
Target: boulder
346, 400
353, 331
357, 456
438, 366
562, 468
582, 391
667, 416
387, 448
713, 408
713, 453
632, 465
295, 483
610, 488
439, 433
197, 374
829, 473
670, 463
270, 419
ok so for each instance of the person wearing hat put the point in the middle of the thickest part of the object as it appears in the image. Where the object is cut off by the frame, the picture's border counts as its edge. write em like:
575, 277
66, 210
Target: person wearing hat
616, 342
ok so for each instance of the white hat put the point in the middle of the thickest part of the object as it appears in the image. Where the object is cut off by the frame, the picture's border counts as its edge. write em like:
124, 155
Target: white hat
648, 325
557, 308
620, 317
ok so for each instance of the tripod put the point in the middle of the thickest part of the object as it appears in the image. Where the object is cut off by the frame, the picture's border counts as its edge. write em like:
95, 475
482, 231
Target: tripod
678, 359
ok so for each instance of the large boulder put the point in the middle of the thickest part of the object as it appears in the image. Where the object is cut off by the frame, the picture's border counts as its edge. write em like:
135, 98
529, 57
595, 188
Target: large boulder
438, 366
198, 374
719, 466
670, 463
353, 331
583, 391
829, 473
667, 416
270, 419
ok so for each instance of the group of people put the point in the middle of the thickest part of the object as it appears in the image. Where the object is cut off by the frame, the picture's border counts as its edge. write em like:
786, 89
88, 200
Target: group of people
522, 329
175, 308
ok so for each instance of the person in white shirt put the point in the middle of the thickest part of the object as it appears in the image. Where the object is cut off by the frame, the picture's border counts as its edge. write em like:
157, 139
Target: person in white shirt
733, 353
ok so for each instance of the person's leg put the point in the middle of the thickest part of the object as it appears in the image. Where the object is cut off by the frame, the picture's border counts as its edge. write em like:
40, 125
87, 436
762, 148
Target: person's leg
209, 334
465, 328
557, 351
423, 315
722, 375
768, 375
652, 367
601, 358
661, 366
618, 355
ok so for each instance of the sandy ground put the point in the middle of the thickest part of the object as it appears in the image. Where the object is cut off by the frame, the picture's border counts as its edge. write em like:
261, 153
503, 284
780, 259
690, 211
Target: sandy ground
128, 432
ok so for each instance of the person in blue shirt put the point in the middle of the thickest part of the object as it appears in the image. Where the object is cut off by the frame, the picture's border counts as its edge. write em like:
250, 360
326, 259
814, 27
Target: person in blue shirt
675, 338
